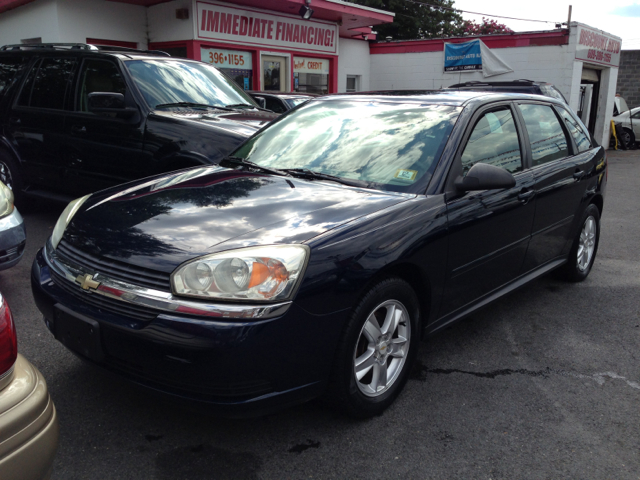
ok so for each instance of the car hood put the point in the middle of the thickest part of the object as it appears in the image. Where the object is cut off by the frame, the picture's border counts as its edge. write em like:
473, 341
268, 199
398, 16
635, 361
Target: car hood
162, 222
244, 122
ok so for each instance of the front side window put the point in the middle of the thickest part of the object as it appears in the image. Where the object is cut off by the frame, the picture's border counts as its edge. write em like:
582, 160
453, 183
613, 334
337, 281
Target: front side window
548, 141
274, 104
383, 145
576, 131
494, 140
47, 84
98, 76
170, 81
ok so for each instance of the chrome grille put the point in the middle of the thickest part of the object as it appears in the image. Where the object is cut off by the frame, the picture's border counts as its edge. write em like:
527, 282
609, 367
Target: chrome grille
105, 303
142, 277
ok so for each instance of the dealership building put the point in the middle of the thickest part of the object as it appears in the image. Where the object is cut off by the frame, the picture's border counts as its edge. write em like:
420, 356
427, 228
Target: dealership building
323, 46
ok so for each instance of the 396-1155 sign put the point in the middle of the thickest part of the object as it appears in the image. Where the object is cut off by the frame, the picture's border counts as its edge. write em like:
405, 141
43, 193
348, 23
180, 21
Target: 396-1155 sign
597, 47
226, 58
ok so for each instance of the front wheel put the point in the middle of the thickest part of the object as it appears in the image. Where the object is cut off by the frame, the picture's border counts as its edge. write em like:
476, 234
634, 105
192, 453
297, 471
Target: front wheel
584, 248
373, 359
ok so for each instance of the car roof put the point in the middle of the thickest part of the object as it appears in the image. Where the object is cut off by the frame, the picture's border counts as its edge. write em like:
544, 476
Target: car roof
440, 97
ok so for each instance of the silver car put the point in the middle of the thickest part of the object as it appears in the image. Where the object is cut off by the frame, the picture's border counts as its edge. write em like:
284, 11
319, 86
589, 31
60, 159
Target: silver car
13, 235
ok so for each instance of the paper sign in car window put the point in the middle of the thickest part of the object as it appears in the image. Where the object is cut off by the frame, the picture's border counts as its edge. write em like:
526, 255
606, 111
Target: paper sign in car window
406, 174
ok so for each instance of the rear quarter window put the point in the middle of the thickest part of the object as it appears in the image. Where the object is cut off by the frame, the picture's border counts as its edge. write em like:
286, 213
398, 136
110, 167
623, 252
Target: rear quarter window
9, 68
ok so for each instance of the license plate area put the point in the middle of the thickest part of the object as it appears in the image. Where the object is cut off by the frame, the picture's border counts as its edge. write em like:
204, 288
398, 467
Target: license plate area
78, 333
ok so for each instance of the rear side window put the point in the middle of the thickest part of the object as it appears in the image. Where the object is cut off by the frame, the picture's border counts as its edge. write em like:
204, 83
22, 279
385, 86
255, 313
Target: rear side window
47, 84
548, 141
582, 141
9, 68
494, 140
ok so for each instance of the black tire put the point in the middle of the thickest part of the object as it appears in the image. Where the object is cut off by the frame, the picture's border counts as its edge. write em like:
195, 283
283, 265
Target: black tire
10, 176
578, 267
628, 139
357, 397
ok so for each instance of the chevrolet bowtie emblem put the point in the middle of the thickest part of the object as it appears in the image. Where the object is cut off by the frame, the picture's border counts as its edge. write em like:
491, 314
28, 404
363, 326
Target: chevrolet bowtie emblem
87, 282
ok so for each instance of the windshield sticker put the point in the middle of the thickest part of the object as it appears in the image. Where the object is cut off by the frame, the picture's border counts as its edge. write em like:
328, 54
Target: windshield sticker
406, 174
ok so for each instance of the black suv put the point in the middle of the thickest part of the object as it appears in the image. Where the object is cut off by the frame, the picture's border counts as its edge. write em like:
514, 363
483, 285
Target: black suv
513, 86
76, 118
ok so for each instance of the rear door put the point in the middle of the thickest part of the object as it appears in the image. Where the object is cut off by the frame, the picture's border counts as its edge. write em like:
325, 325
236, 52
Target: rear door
560, 165
37, 118
489, 230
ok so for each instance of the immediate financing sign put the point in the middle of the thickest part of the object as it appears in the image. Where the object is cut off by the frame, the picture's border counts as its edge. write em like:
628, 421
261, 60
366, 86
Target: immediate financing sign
256, 27
597, 47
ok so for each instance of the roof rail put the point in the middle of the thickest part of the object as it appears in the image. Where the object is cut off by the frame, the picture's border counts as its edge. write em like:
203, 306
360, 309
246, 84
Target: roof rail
79, 46
113, 48
52, 46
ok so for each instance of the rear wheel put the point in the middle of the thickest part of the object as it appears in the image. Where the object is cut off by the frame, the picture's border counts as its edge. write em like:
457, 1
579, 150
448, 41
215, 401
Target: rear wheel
584, 248
375, 355
627, 138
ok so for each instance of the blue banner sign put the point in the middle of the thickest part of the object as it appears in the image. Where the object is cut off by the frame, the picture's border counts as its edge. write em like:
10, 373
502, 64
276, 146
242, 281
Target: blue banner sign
460, 57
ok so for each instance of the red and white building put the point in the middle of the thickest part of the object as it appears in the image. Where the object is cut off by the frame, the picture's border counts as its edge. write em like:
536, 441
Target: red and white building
267, 45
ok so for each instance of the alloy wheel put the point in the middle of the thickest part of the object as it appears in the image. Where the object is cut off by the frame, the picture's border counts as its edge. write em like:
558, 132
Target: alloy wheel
587, 243
382, 348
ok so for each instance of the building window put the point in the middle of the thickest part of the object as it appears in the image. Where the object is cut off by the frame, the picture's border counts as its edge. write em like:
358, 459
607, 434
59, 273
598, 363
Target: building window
353, 83
311, 75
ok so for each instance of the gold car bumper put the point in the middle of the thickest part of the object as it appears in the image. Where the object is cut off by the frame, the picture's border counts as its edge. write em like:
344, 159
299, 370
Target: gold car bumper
28, 425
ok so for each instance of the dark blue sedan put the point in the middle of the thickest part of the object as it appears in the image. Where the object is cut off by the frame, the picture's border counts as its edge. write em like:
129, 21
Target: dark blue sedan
313, 260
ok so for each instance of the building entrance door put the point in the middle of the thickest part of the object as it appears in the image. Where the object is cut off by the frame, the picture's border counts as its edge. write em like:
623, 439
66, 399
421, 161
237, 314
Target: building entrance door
274, 73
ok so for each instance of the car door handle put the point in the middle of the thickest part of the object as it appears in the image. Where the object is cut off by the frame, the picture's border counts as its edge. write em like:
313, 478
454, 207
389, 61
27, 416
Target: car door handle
578, 174
79, 129
525, 195
15, 121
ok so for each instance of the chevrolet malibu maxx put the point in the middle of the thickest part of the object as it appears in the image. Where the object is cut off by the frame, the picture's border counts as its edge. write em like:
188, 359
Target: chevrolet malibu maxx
314, 258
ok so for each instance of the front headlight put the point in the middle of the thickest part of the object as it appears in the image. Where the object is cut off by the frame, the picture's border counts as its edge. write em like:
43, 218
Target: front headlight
262, 274
65, 219
6, 200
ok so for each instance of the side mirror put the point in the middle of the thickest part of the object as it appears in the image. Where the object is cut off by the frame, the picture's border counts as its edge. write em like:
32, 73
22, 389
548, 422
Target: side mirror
483, 176
102, 102
261, 101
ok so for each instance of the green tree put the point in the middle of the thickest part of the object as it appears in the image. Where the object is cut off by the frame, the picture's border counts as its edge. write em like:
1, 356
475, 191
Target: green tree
413, 20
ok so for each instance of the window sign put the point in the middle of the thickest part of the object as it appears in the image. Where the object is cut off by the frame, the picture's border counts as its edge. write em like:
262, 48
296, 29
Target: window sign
310, 65
226, 58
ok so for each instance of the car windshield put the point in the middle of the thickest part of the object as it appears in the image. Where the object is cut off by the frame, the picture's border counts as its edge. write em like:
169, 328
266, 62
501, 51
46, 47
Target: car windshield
389, 146
174, 81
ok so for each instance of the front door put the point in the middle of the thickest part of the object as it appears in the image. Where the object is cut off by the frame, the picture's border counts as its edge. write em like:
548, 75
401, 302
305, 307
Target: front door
102, 150
489, 230
274, 73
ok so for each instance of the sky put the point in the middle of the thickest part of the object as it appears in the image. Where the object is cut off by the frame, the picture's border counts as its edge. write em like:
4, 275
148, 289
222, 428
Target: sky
620, 17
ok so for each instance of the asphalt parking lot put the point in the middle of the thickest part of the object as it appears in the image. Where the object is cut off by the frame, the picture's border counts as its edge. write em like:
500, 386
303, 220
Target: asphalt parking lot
542, 384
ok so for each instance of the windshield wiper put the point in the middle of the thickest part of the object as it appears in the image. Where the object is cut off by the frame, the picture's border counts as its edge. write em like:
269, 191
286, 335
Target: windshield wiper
237, 161
192, 104
312, 175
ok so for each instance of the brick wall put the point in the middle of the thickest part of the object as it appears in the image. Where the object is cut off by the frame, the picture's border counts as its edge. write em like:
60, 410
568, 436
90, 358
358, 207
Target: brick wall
629, 77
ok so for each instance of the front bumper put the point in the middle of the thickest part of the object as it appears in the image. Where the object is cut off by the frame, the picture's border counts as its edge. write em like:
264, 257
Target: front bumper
13, 236
240, 365
28, 425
